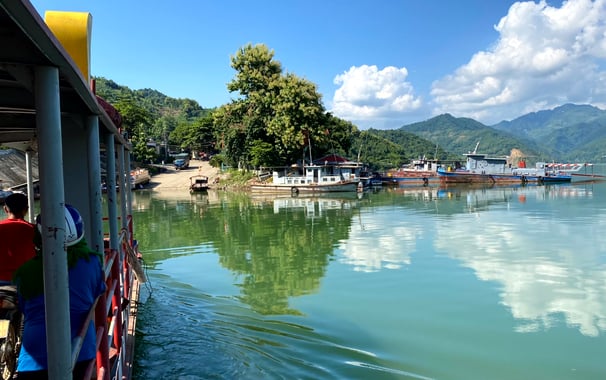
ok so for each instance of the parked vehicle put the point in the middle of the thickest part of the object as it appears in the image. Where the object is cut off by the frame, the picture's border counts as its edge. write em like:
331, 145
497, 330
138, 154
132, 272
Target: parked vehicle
181, 161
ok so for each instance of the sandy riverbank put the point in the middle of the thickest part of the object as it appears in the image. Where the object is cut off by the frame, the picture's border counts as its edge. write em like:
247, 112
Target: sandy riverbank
179, 180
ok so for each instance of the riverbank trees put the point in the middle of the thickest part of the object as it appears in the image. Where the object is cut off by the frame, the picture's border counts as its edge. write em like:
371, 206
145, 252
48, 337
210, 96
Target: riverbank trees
276, 117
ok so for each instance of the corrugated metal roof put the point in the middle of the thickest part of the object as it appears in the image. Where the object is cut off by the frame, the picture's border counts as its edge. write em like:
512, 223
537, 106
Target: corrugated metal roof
13, 168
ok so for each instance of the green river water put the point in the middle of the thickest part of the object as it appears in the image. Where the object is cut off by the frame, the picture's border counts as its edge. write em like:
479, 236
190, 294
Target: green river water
401, 283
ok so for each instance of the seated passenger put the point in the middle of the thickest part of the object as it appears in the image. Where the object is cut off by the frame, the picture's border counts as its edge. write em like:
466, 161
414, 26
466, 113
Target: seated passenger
16, 237
86, 283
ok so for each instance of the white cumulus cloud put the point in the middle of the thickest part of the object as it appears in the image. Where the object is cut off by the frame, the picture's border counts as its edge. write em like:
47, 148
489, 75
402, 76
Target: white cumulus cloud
369, 94
544, 57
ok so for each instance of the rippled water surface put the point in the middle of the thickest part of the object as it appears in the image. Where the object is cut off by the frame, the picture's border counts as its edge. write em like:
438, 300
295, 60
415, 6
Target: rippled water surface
402, 283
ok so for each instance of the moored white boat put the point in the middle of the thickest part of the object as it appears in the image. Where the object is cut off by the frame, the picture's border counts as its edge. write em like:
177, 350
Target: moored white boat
313, 179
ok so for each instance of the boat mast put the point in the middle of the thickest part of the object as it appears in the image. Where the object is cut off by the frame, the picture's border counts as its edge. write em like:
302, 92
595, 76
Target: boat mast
309, 143
475, 150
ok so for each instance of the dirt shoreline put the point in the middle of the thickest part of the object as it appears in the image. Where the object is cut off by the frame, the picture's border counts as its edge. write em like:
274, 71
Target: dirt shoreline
172, 179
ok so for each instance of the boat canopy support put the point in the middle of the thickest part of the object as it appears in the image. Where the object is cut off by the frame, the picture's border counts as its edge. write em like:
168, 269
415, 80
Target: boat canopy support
56, 291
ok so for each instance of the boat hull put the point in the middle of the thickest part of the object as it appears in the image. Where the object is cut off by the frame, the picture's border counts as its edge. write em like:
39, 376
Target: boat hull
411, 177
578, 177
467, 177
199, 184
344, 186
139, 177
412, 180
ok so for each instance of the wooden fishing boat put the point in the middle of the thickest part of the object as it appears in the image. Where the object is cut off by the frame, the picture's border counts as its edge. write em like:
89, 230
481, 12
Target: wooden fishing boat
139, 177
47, 103
199, 184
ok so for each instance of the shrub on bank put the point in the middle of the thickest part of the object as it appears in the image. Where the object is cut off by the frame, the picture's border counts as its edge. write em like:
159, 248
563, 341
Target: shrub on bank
237, 178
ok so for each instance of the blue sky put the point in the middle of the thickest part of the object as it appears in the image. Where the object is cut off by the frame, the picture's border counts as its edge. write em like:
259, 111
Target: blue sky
379, 64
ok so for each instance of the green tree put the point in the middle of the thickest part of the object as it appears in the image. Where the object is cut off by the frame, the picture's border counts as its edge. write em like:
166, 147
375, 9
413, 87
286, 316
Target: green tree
282, 111
195, 135
231, 132
297, 117
136, 121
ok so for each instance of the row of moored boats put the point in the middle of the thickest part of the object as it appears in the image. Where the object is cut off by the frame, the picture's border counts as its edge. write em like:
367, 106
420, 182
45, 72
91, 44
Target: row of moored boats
336, 174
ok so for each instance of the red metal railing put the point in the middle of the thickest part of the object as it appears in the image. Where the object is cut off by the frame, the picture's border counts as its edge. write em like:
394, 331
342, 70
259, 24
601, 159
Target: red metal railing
111, 326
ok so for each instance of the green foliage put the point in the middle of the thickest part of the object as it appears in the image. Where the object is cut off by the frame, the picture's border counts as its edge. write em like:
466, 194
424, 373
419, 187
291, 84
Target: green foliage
149, 115
256, 70
298, 116
263, 154
566, 133
239, 177
217, 160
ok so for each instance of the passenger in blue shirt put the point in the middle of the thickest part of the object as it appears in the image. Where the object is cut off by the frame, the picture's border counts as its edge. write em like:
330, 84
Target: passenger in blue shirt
86, 283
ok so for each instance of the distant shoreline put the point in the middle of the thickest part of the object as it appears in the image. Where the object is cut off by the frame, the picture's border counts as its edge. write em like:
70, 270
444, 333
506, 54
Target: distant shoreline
180, 179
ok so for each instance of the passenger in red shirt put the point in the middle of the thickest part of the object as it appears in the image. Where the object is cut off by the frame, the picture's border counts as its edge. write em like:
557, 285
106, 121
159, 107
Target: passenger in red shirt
16, 237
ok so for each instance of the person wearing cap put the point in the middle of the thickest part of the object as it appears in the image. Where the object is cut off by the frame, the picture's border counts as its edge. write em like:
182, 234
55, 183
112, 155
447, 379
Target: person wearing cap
16, 237
86, 283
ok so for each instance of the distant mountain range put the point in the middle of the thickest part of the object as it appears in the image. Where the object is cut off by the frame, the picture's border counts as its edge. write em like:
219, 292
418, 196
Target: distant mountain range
571, 133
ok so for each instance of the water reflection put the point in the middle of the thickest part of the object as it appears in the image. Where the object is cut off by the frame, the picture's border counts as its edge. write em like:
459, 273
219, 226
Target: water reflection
543, 245
275, 248
454, 199
547, 260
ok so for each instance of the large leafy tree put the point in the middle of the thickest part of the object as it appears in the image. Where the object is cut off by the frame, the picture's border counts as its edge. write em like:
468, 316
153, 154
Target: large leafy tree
230, 130
242, 123
274, 110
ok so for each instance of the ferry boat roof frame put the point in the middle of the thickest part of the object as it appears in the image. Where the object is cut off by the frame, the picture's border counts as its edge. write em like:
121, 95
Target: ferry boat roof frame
47, 106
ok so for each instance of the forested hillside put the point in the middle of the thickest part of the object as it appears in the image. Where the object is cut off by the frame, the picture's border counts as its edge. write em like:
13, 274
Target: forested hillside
571, 132
384, 149
149, 116
461, 135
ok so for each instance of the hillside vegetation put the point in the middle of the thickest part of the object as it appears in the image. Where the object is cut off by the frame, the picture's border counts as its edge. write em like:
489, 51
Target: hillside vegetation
569, 132
461, 135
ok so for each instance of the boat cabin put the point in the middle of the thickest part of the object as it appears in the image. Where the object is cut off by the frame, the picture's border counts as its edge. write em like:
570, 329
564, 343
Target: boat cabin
335, 165
481, 164
423, 164
313, 174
